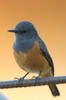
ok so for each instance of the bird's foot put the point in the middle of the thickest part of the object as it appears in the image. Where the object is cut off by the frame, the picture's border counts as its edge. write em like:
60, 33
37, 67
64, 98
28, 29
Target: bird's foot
36, 79
21, 78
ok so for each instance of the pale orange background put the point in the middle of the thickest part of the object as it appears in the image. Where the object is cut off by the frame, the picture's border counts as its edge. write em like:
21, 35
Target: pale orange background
49, 17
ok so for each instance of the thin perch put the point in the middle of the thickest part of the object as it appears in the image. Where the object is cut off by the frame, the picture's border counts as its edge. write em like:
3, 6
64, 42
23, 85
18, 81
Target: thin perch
32, 82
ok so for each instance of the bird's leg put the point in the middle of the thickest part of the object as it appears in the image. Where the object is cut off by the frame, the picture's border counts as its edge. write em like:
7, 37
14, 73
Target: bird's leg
22, 78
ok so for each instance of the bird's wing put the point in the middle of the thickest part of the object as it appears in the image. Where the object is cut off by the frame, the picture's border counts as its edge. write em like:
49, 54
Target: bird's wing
45, 53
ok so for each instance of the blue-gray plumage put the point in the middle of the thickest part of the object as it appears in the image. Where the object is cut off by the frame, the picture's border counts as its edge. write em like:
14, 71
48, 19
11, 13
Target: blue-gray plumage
31, 53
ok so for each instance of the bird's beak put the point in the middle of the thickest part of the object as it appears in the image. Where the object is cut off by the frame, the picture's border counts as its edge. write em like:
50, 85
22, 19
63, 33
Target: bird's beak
13, 30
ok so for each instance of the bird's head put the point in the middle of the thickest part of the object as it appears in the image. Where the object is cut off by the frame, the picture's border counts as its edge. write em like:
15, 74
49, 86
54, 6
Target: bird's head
24, 30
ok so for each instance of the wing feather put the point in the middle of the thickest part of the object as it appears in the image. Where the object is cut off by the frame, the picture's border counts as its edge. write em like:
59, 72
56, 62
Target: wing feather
45, 53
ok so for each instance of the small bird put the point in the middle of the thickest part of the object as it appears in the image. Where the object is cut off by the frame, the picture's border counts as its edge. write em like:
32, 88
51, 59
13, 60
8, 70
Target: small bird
31, 53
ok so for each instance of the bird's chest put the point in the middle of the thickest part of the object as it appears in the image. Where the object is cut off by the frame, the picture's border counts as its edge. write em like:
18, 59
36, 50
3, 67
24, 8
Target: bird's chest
31, 61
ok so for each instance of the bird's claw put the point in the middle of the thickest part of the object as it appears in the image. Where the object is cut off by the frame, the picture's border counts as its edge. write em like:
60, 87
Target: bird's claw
16, 78
36, 79
33, 77
19, 79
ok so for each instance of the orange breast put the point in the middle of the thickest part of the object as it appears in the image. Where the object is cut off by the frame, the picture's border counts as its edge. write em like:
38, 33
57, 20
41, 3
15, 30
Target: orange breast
32, 61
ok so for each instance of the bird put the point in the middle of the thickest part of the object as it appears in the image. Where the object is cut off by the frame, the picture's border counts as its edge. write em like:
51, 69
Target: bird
31, 53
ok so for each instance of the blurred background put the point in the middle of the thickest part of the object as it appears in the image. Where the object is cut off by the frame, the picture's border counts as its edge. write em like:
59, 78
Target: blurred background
49, 18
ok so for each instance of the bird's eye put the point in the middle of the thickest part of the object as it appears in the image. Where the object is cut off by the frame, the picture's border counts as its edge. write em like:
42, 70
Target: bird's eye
24, 31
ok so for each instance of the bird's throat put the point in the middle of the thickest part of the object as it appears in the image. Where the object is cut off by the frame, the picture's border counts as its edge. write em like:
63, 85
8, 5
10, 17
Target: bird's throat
22, 46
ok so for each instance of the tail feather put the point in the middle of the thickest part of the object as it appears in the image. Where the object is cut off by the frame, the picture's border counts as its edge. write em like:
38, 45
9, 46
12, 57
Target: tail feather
54, 90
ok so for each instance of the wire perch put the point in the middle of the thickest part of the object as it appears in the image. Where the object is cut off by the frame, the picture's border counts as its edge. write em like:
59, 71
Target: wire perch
32, 82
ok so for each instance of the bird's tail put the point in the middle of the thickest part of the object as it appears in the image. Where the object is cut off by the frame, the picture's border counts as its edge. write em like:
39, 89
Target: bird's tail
54, 90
